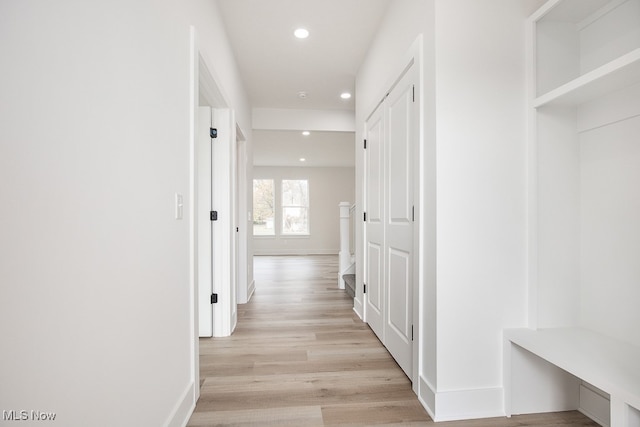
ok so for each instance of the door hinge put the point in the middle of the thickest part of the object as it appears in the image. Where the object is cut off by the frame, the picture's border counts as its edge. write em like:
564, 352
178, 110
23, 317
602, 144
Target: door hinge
365, 144
213, 132
213, 215
214, 298
413, 213
365, 216
411, 332
414, 93
364, 288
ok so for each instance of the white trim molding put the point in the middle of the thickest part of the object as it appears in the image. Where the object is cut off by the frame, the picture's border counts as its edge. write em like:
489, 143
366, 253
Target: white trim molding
181, 413
460, 404
469, 404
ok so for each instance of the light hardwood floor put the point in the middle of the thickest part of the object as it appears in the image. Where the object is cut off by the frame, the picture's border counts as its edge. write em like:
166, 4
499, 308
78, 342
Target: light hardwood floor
301, 357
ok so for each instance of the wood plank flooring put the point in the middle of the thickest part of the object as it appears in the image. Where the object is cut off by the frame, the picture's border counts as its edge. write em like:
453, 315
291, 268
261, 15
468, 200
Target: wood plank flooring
301, 357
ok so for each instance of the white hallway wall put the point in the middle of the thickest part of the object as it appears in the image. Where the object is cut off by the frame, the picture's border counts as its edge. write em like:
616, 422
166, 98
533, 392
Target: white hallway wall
473, 207
328, 187
94, 142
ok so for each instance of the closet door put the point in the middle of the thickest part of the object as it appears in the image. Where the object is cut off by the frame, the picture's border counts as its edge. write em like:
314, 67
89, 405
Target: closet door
374, 225
399, 223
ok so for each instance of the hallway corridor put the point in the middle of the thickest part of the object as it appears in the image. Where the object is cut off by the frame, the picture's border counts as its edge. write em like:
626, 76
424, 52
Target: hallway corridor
301, 357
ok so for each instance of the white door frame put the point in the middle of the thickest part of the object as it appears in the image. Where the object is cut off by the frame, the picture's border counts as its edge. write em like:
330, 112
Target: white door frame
203, 223
242, 217
218, 240
204, 88
194, 95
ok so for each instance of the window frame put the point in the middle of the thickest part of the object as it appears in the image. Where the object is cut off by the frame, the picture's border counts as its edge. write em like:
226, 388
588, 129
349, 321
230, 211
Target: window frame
282, 207
275, 208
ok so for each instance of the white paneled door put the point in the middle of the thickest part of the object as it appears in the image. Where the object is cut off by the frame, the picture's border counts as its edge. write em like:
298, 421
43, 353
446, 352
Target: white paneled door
399, 222
391, 135
374, 225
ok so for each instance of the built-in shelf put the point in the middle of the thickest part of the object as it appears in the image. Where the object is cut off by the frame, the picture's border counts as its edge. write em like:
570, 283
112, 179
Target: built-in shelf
582, 347
617, 74
579, 12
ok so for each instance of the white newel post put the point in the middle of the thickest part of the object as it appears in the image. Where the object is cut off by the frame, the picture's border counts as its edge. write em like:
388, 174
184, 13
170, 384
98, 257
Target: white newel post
344, 255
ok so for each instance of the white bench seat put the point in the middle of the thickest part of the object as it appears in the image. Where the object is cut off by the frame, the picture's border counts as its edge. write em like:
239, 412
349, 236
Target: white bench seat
534, 386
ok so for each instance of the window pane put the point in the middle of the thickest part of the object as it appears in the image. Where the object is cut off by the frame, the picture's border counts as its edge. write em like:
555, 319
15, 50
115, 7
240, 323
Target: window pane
295, 221
295, 206
295, 192
263, 207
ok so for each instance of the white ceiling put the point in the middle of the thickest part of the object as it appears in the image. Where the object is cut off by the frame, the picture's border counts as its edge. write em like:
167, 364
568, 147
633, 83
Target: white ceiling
275, 66
320, 149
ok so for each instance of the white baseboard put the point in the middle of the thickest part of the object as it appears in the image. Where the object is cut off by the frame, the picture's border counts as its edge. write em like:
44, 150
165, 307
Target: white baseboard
181, 413
460, 404
469, 404
358, 308
427, 396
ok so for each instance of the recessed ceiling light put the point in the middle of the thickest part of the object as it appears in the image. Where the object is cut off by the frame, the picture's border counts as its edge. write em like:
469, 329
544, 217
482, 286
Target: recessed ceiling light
345, 95
302, 159
306, 133
302, 95
301, 33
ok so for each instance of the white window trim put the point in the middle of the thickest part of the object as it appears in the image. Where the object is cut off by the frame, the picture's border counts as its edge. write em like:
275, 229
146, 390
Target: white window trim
296, 235
275, 208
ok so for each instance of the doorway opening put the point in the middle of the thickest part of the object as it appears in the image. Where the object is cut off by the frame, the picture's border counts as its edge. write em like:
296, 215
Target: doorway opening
218, 251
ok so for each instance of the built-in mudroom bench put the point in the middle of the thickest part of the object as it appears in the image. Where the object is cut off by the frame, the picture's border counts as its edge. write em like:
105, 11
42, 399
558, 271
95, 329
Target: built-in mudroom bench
561, 369
581, 347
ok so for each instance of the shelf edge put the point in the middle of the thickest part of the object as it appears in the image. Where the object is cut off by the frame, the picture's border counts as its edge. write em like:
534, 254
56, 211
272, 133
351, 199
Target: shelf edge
574, 86
543, 10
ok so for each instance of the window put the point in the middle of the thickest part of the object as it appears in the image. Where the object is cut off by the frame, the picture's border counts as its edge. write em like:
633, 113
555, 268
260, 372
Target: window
263, 207
295, 206
280, 207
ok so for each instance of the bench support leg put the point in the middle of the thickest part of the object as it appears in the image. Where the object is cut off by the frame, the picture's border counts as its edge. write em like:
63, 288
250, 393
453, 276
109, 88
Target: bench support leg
619, 413
623, 415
